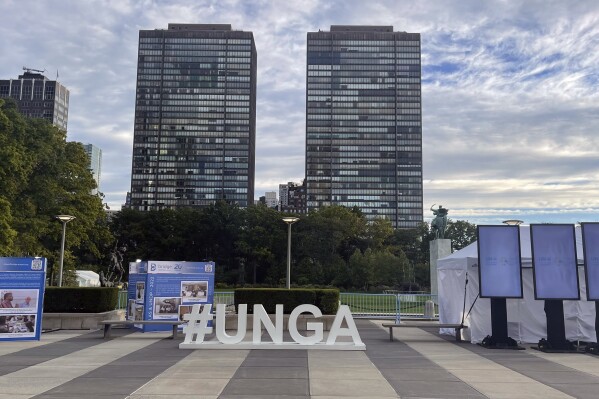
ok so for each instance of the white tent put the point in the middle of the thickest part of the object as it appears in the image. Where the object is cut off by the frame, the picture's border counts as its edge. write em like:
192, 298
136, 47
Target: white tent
87, 278
526, 317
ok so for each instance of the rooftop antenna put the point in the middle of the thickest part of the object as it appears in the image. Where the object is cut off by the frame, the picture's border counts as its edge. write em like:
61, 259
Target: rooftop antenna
26, 69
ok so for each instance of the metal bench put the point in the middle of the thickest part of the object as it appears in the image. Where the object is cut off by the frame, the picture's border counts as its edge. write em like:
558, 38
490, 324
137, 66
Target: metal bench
457, 327
109, 323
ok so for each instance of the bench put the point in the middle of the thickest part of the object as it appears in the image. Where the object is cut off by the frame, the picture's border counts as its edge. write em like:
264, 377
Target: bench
109, 323
457, 327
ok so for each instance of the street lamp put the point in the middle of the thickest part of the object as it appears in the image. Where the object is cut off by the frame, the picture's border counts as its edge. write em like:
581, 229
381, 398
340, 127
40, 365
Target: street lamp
289, 220
64, 219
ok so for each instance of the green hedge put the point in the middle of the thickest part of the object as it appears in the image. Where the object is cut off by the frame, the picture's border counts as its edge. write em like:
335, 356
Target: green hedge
80, 300
327, 300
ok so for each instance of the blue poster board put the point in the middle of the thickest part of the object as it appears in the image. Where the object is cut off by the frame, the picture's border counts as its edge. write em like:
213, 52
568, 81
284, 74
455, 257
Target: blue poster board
22, 282
555, 272
590, 243
500, 269
169, 289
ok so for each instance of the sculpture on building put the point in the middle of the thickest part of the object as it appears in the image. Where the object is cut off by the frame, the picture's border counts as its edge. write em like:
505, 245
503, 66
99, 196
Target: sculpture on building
439, 223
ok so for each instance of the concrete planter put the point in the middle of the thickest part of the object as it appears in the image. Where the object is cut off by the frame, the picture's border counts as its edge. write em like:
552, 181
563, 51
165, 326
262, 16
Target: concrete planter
78, 321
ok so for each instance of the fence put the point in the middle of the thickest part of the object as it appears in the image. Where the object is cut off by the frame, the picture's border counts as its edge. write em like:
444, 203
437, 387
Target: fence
366, 306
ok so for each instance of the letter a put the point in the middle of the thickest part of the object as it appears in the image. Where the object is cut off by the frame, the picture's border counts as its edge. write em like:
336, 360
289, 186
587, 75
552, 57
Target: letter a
351, 331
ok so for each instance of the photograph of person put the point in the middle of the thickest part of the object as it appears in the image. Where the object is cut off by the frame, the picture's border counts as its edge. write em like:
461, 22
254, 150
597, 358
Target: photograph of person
194, 291
166, 307
131, 309
7, 299
138, 312
140, 290
18, 299
22, 324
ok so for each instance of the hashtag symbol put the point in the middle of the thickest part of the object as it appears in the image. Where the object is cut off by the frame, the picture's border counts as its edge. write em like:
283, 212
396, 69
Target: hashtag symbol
197, 324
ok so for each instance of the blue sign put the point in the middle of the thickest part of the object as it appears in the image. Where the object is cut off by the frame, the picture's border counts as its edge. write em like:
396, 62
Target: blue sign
22, 282
166, 290
500, 270
590, 242
555, 272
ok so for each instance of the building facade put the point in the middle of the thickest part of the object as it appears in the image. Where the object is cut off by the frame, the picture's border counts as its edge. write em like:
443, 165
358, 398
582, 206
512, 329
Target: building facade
95, 163
293, 197
38, 97
364, 122
270, 198
195, 117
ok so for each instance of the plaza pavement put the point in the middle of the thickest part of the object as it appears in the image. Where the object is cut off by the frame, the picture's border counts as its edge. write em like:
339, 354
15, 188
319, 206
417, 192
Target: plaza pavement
418, 364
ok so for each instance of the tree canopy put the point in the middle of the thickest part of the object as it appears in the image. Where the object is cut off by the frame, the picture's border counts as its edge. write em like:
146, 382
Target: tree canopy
41, 176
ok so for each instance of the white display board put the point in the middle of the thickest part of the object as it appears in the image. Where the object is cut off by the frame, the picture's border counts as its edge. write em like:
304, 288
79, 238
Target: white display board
500, 274
590, 244
554, 261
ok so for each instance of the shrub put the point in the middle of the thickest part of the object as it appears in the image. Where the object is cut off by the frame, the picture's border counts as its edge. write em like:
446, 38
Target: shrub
327, 300
80, 299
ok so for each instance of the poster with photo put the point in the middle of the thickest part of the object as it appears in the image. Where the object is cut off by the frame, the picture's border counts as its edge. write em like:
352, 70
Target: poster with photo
194, 291
166, 308
18, 325
184, 309
16, 300
138, 314
131, 309
22, 283
140, 291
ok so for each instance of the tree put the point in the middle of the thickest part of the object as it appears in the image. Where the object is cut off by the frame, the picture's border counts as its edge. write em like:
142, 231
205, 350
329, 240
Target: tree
42, 175
461, 233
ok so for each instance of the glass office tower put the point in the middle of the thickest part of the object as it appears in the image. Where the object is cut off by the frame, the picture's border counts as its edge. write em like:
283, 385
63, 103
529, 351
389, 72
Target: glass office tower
38, 97
364, 122
195, 117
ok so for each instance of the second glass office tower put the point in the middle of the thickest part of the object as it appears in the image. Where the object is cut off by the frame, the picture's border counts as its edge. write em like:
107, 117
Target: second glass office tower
364, 122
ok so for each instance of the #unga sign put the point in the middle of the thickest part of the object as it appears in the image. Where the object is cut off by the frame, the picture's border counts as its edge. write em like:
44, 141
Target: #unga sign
200, 318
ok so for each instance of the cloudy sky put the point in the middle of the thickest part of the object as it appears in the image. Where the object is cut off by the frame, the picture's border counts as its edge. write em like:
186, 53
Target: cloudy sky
510, 89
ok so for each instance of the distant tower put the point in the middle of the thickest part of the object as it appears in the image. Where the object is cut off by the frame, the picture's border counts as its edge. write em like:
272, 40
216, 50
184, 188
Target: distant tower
270, 198
95, 163
364, 122
195, 117
38, 97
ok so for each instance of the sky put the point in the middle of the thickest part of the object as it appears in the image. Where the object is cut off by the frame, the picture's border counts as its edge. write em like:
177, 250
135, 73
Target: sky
510, 92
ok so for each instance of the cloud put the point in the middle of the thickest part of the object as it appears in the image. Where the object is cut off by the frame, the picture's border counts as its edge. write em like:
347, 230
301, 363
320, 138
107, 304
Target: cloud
510, 88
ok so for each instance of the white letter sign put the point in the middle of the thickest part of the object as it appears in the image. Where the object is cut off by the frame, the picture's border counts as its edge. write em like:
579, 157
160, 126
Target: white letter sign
197, 328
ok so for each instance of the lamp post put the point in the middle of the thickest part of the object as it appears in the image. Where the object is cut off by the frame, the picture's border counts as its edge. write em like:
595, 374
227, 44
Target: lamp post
64, 219
513, 222
289, 220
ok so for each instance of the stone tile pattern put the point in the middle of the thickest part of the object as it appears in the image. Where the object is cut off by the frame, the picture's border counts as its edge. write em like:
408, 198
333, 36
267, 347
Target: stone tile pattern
418, 364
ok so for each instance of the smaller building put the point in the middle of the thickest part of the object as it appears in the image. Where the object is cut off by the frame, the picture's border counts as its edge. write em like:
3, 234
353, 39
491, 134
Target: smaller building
293, 197
38, 97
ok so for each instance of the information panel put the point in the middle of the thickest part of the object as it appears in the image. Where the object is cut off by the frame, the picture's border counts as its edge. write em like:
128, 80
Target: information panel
500, 271
554, 261
166, 290
136, 291
22, 282
590, 243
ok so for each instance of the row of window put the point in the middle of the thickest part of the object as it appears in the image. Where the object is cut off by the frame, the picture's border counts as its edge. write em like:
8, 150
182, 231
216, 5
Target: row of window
339, 42
205, 46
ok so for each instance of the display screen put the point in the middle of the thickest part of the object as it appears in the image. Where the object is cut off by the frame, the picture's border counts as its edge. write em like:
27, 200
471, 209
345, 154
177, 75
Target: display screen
590, 242
554, 261
500, 271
